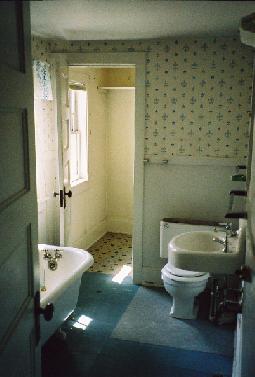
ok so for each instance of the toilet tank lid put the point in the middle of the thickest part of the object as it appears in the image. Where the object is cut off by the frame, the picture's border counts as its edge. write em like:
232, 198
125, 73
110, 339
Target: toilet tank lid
190, 221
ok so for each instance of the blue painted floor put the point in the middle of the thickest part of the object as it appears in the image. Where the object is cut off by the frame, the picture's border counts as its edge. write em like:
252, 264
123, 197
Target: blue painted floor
91, 352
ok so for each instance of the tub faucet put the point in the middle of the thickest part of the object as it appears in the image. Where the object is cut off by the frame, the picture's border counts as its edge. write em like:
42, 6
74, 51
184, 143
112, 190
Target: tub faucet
52, 259
52, 264
46, 254
58, 255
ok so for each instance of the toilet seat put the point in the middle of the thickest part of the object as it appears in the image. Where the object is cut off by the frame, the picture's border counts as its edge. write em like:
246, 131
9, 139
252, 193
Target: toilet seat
170, 273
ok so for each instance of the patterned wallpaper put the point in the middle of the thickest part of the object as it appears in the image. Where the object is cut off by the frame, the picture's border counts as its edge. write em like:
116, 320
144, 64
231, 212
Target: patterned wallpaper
197, 93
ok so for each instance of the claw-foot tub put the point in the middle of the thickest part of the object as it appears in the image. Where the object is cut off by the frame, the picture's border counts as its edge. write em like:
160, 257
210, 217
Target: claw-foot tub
61, 269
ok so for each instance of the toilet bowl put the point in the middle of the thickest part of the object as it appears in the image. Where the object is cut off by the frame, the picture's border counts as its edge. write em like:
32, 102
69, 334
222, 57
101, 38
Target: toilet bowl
183, 286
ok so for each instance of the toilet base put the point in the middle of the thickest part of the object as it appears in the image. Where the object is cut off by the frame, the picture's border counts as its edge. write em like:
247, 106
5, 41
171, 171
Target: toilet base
184, 289
184, 310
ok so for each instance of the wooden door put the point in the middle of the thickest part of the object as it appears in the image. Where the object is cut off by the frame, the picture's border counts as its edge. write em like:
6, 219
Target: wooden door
19, 278
65, 193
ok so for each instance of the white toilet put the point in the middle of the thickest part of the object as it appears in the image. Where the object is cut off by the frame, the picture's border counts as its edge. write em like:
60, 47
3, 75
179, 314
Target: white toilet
182, 285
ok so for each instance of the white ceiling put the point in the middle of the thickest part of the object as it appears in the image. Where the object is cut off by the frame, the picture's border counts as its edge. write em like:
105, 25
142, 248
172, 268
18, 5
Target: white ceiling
136, 19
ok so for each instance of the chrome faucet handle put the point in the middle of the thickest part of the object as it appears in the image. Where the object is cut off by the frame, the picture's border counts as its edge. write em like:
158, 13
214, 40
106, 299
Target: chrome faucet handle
222, 242
230, 231
216, 239
46, 254
228, 227
58, 254
225, 225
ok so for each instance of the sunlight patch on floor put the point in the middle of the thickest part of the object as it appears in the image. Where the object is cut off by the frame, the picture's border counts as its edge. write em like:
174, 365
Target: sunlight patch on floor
120, 276
82, 322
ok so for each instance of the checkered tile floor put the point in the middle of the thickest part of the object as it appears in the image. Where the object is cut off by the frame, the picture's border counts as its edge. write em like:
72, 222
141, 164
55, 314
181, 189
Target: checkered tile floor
111, 252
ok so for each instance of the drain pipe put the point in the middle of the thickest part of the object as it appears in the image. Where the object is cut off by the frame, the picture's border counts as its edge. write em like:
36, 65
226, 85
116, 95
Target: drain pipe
229, 308
213, 300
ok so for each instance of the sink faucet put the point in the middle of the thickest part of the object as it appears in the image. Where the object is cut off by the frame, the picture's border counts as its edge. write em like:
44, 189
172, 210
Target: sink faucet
227, 227
223, 242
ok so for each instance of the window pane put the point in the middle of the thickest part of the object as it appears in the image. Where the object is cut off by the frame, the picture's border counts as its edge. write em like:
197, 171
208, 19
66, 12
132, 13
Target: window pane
78, 135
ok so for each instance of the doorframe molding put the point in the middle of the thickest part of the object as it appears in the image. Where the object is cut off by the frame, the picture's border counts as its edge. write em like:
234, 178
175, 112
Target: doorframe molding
137, 60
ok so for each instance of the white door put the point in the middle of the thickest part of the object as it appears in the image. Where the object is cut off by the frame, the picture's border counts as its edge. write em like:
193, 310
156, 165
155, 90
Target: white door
19, 279
64, 194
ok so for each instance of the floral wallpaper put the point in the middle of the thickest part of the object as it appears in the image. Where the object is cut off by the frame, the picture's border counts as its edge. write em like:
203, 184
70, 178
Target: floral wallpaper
198, 93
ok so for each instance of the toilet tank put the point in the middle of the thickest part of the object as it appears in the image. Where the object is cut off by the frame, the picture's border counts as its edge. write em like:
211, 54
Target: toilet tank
171, 227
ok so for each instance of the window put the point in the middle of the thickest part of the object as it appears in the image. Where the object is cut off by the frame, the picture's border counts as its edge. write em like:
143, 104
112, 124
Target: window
78, 136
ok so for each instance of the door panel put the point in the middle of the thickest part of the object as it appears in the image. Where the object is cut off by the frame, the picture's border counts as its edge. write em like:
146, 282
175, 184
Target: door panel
16, 361
19, 254
19, 277
12, 25
14, 137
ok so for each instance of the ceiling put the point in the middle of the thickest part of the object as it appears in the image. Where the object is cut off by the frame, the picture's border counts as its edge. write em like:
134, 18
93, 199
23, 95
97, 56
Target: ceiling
136, 19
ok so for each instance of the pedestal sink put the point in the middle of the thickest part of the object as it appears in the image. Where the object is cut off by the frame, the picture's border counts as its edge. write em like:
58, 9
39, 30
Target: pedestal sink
199, 251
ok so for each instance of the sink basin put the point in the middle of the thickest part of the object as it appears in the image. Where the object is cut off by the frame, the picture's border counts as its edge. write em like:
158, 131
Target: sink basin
198, 251
198, 241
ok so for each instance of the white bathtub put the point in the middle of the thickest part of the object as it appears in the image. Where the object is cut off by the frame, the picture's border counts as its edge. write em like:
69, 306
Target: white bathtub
62, 285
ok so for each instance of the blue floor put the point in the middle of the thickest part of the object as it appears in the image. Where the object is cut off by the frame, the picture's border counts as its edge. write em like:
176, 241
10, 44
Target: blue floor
91, 352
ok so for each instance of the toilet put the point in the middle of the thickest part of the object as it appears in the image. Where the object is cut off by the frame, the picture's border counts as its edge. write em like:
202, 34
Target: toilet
184, 286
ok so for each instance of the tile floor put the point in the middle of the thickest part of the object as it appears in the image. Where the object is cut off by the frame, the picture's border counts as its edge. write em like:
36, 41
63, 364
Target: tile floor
92, 351
90, 348
111, 252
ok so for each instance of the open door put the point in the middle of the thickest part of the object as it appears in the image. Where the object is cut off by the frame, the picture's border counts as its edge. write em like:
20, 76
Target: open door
19, 277
64, 193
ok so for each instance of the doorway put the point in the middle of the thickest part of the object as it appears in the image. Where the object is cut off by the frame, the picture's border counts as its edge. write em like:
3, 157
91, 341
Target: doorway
102, 147
52, 142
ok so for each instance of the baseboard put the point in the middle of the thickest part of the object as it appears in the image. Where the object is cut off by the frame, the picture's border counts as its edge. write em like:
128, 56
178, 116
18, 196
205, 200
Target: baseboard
149, 277
91, 237
120, 225
96, 233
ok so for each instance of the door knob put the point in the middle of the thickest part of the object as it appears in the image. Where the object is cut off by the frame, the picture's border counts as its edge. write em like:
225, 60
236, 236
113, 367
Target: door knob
47, 312
69, 194
62, 196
